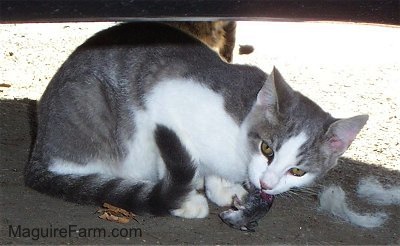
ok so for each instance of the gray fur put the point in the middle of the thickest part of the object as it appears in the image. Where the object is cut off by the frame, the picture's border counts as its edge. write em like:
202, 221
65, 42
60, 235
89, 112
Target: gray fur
94, 94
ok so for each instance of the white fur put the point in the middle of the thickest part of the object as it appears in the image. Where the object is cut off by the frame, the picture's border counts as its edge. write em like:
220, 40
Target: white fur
63, 167
221, 192
257, 168
276, 175
195, 206
333, 200
198, 116
143, 161
374, 191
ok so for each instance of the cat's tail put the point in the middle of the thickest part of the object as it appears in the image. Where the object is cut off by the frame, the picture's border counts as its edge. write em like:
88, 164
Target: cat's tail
140, 197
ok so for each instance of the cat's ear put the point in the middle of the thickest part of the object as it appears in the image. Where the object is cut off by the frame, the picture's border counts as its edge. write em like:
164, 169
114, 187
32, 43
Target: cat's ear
267, 95
341, 134
274, 93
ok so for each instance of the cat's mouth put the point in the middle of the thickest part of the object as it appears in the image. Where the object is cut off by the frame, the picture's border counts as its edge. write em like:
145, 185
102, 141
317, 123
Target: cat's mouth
266, 197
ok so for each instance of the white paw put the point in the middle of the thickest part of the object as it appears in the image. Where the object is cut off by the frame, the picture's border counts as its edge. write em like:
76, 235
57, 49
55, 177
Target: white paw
221, 192
195, 206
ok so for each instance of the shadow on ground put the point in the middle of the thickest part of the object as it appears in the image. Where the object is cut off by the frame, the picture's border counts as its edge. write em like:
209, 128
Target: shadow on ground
292, 220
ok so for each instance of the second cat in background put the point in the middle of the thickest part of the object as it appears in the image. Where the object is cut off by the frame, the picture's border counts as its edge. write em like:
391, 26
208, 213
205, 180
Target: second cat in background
218, 35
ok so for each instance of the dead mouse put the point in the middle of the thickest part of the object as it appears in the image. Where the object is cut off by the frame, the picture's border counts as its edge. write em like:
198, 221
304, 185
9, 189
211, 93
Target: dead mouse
247, 213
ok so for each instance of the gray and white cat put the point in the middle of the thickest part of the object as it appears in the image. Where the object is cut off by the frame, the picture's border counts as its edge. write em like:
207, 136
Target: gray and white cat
143, 115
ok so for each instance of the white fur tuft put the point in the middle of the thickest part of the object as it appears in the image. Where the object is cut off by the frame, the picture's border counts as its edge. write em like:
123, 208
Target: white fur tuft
376, 193
333, 200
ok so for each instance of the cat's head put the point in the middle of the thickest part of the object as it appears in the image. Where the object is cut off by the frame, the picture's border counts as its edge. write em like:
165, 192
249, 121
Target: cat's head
291, 139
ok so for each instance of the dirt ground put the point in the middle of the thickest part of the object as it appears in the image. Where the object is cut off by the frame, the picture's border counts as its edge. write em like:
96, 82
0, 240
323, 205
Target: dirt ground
348, 69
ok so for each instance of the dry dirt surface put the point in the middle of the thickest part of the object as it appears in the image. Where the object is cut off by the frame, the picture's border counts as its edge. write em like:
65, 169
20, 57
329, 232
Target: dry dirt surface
348, 69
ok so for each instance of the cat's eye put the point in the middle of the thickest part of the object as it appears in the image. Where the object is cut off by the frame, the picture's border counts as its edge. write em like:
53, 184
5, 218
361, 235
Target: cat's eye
297, 172
267, 151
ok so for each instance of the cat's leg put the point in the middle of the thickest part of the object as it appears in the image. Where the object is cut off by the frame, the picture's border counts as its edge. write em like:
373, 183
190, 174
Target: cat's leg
230, 38
180, 170
194, 206
221, 191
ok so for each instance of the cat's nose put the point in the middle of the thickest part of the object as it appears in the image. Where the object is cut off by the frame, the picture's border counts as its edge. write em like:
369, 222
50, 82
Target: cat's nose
264, 186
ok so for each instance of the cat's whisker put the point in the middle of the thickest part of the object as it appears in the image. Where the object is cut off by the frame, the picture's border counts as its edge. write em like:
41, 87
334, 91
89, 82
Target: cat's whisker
302, 193
309, 190
285, 195
290, 194
294, 193
317, 186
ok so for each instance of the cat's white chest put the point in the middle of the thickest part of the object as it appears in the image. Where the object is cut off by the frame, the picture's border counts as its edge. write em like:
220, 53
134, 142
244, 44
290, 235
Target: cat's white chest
198, 117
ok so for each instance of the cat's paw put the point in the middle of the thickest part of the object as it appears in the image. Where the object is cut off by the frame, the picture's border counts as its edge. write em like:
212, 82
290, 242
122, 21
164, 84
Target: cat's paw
222, 192
195, 206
